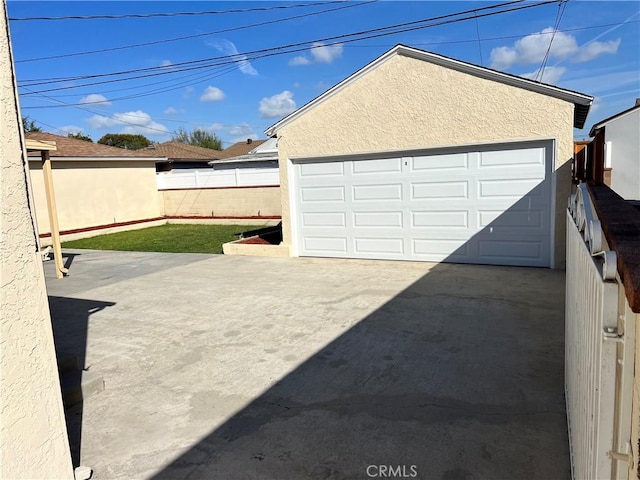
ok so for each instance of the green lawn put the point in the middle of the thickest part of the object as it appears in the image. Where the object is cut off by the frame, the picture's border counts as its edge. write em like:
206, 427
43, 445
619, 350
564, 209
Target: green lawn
176, 238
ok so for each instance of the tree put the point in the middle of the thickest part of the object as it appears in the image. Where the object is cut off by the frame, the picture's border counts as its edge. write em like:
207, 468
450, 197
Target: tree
80, 136
198, 137
29, 125
125, 140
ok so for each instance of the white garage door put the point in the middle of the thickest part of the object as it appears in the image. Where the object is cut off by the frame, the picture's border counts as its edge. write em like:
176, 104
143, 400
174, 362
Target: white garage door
491, 206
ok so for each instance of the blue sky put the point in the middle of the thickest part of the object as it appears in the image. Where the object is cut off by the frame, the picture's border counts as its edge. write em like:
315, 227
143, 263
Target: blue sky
596, 51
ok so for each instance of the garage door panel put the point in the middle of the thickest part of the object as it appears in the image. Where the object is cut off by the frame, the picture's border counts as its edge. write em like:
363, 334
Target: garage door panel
508, 188
378, 219
324, 219
325, 245
513, 158
379, 166
438, 249
487, 206
441, 218
439, 190
378, 246
458, 161
323, 194
511, 219
377, 192
510, 249
321, 169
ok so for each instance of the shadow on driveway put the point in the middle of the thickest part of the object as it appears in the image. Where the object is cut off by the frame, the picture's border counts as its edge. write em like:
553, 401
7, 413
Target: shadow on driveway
70, 322
460, 376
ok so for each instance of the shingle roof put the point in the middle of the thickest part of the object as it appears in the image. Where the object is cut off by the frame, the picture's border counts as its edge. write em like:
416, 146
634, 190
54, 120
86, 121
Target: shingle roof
71, 147
240, 148
178, 152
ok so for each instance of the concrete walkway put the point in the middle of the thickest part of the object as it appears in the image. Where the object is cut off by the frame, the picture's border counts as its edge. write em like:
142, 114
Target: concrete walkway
221, 367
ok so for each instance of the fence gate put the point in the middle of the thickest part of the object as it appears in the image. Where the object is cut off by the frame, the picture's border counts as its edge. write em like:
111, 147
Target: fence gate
598, 350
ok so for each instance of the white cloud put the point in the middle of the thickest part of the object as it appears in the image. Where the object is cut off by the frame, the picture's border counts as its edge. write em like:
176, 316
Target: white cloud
550, 75
326, 53
533, 48
170, 111
71, 129
296, 84
319, 53
136, 122
212, 94
241, 129
188, 91
595, 49
216, 126
95, 99
277, 105
299, 60
166, 63
229, 48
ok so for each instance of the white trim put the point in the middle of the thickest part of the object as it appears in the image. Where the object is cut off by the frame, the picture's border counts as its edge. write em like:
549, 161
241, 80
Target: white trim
418, 151
293, 210
482, 72
552, 171
101, 159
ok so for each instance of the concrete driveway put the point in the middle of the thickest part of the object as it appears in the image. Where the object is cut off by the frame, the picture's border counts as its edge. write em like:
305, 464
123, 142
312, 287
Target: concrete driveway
219, 367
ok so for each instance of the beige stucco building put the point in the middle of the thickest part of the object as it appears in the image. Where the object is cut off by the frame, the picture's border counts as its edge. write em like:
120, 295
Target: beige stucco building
422, 157
98, 188
33, 435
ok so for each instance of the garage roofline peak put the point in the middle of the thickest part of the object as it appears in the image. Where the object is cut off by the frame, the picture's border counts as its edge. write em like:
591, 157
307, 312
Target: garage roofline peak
581, 101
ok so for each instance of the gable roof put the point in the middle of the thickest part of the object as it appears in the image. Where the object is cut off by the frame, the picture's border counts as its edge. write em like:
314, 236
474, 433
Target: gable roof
581, 101
74, 149
602, 123
240, 148
182, 152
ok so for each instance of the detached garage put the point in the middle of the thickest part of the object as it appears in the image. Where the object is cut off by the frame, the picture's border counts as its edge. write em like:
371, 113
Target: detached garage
422, 157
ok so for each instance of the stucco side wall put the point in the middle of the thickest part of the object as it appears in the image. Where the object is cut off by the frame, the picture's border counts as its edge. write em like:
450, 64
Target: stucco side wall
411, 104
223, 202
97, 193
624, 133
33, 435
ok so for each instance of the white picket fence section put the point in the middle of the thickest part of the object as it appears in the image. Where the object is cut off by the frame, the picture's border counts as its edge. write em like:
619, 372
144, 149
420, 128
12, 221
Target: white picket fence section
257, 175
599, 349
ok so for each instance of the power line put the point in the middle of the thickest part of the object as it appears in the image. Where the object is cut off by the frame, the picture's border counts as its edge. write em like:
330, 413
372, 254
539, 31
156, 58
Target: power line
561, 8
198, 35
230, 59
448, 42
174, 14
345, 38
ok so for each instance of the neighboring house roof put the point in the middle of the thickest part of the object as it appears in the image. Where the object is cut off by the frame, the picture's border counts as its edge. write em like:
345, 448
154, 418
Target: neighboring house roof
581, 101
266, 151
74, 149
240, 148
602, 123
182, 152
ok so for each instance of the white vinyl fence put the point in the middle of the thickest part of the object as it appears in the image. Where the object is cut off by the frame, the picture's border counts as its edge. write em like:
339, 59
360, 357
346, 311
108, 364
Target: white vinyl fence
266, 174
599, 349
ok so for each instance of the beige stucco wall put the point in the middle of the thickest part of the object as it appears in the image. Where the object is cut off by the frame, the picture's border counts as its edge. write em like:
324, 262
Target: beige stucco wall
33, 436
223, 202
89, 194
411, 104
